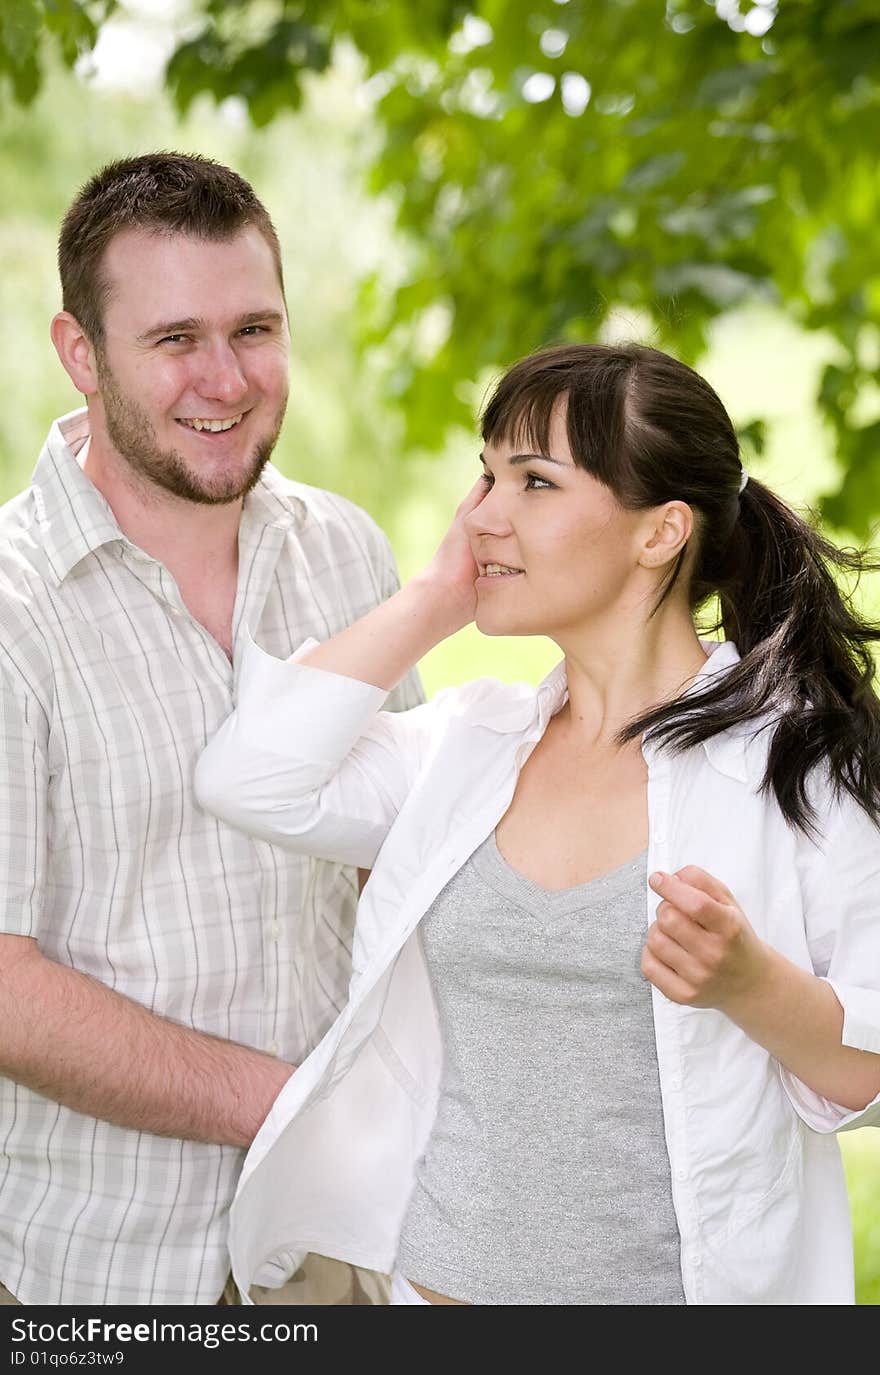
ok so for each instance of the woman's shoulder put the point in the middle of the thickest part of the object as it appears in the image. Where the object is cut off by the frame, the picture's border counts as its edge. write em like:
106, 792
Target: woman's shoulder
486, 701
497, 705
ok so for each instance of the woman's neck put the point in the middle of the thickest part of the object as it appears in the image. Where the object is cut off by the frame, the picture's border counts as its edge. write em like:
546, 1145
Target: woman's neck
613, 678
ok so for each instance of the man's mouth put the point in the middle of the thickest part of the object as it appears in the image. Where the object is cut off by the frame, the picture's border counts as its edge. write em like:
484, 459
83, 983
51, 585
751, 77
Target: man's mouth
497, 570
212, 426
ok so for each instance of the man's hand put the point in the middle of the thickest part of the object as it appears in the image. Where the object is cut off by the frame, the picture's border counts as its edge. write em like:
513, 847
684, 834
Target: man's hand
701, 950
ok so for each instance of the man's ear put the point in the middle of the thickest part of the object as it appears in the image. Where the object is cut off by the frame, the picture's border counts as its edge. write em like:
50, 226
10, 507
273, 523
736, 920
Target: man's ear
75, 351
671, 527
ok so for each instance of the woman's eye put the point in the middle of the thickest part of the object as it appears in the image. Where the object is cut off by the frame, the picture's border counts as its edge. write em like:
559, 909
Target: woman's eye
535, 483
488, 479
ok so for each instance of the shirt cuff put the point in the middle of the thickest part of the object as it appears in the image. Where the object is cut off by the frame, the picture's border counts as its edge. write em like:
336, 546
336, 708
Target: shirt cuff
861, 1031
821, 1114
861, 1015
284, 705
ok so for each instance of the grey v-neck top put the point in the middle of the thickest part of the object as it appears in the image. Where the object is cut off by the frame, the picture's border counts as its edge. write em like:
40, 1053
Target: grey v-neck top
546, 1178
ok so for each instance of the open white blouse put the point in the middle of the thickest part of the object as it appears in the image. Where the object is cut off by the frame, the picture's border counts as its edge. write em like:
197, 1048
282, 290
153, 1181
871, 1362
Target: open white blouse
309, 761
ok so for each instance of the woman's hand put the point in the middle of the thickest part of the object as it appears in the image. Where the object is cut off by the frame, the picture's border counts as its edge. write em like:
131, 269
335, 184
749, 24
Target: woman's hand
701, 950
452, 571
385, 643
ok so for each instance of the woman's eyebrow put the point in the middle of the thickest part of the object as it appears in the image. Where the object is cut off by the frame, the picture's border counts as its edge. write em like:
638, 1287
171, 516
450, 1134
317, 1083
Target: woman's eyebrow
532, 458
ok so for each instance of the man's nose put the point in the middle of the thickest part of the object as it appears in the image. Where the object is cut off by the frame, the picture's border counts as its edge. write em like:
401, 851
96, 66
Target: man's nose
222, 376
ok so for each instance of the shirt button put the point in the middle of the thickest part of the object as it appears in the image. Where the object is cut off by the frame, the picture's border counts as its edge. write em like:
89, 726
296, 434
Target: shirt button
697, 1261
272, 1047
675, 1082
275, 930
681, 1173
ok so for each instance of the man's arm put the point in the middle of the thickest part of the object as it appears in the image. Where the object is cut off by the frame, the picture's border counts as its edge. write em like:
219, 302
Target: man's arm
72, 1039
66, 1035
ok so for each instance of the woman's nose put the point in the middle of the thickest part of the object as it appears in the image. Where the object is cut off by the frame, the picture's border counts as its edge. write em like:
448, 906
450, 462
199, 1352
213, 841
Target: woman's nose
490, 517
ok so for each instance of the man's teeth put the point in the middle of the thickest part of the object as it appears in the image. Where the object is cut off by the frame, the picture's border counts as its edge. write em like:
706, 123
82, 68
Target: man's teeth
215, 426
494, 569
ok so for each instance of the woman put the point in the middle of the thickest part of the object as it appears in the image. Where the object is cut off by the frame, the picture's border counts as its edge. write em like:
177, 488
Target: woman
616, 975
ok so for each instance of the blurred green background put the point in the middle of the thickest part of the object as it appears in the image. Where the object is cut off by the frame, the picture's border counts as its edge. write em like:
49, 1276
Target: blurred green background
456, 184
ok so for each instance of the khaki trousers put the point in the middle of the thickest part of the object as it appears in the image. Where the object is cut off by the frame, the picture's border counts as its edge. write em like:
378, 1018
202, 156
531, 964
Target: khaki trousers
319, 1280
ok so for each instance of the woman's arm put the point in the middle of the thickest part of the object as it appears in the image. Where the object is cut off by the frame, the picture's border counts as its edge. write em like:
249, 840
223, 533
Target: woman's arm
385, 644
702, 952
307, 760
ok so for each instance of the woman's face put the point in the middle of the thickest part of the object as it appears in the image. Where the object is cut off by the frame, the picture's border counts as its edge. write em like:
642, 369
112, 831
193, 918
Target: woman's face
556, 551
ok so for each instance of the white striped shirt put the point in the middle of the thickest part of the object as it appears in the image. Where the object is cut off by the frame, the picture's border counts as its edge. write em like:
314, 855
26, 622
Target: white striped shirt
109, 691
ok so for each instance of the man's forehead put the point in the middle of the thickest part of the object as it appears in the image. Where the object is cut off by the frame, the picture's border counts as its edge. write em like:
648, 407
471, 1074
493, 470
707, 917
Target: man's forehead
146, 241
165, 275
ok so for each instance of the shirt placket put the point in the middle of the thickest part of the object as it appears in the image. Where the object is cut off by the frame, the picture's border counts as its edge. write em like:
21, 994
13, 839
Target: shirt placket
156, 578
260, 547
670, 1053
261, 543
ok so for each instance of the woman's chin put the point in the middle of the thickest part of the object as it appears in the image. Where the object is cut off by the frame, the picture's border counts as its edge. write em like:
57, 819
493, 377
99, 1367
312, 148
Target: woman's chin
491, 623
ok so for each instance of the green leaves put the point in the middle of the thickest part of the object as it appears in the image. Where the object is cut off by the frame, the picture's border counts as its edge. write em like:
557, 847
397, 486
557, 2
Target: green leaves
552, 163
267, 75
24, 24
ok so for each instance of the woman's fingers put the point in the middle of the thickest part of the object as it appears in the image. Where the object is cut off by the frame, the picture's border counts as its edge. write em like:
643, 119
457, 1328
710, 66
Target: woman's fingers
472, 500
698, 903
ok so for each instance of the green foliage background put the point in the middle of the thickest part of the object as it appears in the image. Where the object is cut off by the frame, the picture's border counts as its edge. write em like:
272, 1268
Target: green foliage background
717, 195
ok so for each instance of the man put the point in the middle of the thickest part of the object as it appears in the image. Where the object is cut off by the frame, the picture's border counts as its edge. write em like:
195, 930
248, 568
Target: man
160, 974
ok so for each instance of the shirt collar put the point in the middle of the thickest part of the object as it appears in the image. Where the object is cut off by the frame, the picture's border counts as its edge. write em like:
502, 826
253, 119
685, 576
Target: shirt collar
75, 519
274, 502
525, 710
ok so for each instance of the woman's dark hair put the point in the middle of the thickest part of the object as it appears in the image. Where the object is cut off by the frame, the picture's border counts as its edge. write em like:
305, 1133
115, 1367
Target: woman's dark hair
652, 430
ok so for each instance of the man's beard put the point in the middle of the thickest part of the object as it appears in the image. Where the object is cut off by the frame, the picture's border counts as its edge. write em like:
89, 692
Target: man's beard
134, 439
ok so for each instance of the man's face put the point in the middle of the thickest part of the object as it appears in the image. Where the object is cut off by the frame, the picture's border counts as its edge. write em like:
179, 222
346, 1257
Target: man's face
193, 368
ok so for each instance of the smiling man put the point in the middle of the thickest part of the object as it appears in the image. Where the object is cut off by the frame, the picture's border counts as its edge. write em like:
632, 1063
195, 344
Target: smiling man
160, 974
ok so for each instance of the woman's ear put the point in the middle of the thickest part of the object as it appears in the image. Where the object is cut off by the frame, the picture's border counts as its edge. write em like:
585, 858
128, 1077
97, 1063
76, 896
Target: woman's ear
670, 529
75, 351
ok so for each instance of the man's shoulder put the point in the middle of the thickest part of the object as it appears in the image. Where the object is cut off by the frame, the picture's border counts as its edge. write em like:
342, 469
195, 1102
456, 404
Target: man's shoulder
19, 536
25, 577
16, 514
330, 511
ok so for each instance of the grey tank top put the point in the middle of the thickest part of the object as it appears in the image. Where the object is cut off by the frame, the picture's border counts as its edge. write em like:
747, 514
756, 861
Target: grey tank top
546, 1178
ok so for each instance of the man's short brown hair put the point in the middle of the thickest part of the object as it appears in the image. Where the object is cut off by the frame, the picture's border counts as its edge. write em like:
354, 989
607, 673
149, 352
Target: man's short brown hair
166, 193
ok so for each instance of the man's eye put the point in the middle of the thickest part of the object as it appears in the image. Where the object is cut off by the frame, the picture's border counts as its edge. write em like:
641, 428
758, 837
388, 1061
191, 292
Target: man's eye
173, 339
250, 331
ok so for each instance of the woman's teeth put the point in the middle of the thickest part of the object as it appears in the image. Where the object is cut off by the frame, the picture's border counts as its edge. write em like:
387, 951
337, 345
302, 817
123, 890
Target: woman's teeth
495, 570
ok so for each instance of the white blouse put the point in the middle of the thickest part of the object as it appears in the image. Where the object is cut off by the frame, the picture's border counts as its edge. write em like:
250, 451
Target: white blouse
309, 761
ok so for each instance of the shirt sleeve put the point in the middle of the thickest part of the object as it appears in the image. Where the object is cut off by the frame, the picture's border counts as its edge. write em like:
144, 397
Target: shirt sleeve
24, 800
309, 761
842, 911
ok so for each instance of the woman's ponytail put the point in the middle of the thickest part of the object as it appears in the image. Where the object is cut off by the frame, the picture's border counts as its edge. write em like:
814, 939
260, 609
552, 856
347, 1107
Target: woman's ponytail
806, 658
